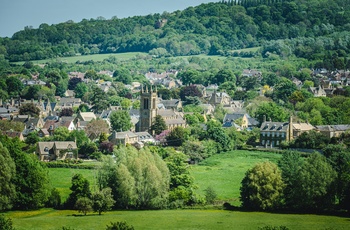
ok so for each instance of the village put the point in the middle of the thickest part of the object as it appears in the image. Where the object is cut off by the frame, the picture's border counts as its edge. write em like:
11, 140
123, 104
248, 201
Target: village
50, 117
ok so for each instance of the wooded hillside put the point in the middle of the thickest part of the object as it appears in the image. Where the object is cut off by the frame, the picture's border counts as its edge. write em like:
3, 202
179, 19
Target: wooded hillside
311, 27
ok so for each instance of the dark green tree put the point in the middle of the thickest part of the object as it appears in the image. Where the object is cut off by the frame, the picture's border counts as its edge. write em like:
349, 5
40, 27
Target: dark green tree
14, 86
120, 120
158, 125
5, 223
29, 109
177, 136
7, 174
123, 75
80, 189
73, 82
83, 205
99, 100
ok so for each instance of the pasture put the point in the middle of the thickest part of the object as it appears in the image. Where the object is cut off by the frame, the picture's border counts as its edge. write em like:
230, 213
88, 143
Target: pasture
223, 172
50, 219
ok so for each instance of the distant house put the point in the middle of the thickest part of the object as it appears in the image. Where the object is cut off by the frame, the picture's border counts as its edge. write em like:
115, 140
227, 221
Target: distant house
299, 128
123, 138
239, 120
86, 116
14, 134
56, 150
175, 104
332, 130
273, 133
317, 91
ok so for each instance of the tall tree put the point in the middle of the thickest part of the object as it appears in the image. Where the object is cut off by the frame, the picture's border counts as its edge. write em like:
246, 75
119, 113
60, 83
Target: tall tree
120, 120
7, 174
99, 100
80, 189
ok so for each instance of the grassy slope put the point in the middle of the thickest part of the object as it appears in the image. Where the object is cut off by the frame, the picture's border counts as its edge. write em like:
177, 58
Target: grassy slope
224, 172
173, 219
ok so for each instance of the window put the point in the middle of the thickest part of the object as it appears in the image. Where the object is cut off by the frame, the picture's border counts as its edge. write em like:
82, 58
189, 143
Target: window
145, 103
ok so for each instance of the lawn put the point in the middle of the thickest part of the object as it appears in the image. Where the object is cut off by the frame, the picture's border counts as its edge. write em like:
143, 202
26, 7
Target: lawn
173, 219
61, 179
224, 172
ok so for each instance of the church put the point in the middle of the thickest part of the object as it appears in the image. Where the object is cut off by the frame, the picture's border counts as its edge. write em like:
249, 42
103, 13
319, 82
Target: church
149, 109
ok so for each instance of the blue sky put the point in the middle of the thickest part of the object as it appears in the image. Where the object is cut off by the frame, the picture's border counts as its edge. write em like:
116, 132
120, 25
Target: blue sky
16, 14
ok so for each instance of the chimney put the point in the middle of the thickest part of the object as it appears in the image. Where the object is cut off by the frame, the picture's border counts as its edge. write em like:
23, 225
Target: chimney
1, 102
264, 118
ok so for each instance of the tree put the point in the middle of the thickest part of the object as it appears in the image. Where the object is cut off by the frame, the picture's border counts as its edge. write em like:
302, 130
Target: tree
120, 120
316, 178
66, 112
102, 200
123, 75
61, 134
177, 136
138, 178
73, 82
14, 86
99, 100
291, 164
222, 76
80, 189
191, 91
83, 205
158, 125
29, 109
262, 187
271, 111
7, 174
210, 195
95, 128
80, 90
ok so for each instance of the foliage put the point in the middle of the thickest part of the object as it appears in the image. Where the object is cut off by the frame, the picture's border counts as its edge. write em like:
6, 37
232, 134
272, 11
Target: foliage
158, 125
119, 226
210, 195
29, 109
311, 140
138, 179
80, 189
98, 100
5, 223
83, 205
73, 82
271, 111
66, 112
30, 180
316, 178
102, 200
177, 136
120, 120
6, 125
7, 173
262, 187
95, 128
189, 91
54, 200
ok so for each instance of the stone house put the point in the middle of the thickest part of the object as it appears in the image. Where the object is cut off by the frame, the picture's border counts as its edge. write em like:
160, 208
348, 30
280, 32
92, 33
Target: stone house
56, 150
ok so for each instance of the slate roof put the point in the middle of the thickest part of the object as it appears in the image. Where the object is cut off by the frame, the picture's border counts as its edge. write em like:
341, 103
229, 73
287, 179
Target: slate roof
274, 126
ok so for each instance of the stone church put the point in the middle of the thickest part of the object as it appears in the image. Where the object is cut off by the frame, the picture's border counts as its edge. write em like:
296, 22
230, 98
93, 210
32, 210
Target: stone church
149, 110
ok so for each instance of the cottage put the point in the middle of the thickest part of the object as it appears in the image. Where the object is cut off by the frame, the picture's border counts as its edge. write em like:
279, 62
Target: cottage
56, 150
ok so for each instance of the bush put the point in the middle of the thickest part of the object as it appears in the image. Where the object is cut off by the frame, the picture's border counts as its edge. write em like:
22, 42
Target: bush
119, 226
210, 195
5, 223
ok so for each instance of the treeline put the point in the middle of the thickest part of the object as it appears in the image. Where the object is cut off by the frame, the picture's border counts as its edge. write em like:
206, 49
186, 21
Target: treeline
213, 28
316, 183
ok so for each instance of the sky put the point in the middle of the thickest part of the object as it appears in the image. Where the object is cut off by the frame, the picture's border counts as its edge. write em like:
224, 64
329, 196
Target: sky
17, 14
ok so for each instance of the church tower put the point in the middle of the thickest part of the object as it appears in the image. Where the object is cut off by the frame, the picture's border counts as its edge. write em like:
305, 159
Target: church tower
148, 108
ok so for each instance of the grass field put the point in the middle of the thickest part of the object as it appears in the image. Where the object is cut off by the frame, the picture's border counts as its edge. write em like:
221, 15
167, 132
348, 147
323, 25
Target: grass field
224, 172
61, 179
49, 219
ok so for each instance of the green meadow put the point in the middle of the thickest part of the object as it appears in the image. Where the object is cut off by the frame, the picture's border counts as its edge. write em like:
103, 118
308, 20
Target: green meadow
50, 219
223, 172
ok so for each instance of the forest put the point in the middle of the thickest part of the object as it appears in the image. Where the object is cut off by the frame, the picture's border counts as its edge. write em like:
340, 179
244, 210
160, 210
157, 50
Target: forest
309, 29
